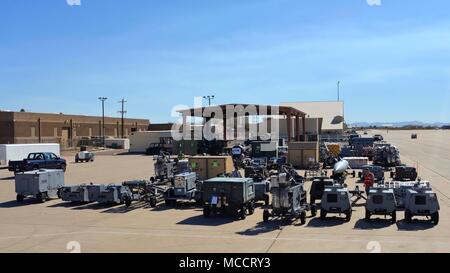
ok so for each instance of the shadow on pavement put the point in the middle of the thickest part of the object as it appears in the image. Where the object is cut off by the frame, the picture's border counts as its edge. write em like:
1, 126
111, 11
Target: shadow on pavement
177, 206
375, 223
415, 225
67, 205
261, 228
14, 203
329, 222
95, 206
7, 178
124, 209
216, 220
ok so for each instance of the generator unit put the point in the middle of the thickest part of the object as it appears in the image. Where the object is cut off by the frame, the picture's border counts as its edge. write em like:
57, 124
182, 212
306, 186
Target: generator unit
289, 199
317, 189
164, 167
83, 193
115, 194
401, 188
229, 196
76, 193
386, 156
184, 188
376, 170
404, 173
421, 201
42, 184
84, 156
381, 201
262, 190
336, 199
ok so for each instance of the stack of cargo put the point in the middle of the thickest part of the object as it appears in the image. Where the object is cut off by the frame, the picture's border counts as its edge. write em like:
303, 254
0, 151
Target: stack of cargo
387, 156
334, 149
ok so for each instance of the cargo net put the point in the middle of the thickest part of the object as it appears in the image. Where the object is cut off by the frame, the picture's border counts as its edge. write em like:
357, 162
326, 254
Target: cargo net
388, 156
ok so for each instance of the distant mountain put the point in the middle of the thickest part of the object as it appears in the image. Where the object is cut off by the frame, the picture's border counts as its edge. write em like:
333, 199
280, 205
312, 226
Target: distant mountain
398, 124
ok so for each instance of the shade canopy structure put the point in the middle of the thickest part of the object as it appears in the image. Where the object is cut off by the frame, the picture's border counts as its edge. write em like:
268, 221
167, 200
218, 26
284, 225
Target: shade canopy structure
248, 110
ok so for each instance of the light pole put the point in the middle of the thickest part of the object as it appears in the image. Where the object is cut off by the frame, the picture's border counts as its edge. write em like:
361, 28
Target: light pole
103, 119
123, 112
209, 98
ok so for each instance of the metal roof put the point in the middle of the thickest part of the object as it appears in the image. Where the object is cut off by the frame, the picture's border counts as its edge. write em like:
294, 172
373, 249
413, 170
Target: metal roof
283, 110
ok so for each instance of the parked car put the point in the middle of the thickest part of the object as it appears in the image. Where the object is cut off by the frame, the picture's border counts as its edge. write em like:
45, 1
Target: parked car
36, 161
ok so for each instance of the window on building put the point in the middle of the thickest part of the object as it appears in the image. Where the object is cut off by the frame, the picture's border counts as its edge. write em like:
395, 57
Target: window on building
90, 132
33, 131
55, 132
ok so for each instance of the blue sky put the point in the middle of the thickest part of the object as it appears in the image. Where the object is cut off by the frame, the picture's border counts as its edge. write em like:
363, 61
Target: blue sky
393, 60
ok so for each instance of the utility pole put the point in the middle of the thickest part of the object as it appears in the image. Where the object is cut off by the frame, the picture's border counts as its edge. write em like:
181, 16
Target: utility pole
103, 99
122, 112
209, 98
338, 90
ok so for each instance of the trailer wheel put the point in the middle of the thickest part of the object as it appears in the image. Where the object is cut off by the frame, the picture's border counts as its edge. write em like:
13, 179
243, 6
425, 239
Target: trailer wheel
206, 211
267, 200
394, 217
243, 213
367, 218
152, 202
323, 214
303, 217
251, 208
408, 216
19, 198
348, 215
127, 201
313, 210
266, 216
41, 197
435, 218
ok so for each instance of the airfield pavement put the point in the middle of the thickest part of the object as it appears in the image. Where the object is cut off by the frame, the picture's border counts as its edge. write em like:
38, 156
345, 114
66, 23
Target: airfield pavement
56, 226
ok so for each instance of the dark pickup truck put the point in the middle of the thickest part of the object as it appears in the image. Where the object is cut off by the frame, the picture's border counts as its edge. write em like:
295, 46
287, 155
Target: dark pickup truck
36, 161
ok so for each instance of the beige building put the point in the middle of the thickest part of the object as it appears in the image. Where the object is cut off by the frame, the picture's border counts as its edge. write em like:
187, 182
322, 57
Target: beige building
68, 130
331, 112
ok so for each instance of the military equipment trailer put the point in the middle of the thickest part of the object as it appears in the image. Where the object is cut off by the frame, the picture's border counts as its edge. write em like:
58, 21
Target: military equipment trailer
336, 199
115, 194
184, 188
381, 201
422, 201
228, 196
316, 192
289, 199
404, 173
83, 193
42, 184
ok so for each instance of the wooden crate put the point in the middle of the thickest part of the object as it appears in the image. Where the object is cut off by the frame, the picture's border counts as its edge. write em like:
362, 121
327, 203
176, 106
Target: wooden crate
211, 166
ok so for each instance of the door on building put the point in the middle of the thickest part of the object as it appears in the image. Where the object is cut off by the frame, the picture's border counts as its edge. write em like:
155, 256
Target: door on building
64, 137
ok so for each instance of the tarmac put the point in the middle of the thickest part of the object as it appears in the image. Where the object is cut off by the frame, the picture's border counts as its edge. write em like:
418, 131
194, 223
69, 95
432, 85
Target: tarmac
56, 226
